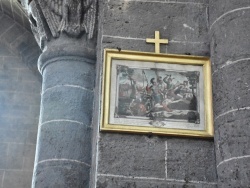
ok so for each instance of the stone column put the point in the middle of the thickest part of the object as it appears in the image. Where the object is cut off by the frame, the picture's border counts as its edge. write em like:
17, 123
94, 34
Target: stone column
230, 55
65, 33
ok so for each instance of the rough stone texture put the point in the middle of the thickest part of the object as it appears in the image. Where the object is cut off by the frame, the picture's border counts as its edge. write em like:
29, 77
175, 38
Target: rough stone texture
13, 9
232, 135
126, 160
191, 160
132, 156
230, 58
136, 20
232, 85
73, 76
17, 179
115, 182
219, 8
56, 99
59, 146
19, 111
63, 156
237, 176
226, 33
61, 174
19, 40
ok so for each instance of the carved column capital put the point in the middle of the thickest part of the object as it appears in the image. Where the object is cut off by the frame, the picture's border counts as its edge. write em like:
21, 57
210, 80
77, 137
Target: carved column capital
52, 18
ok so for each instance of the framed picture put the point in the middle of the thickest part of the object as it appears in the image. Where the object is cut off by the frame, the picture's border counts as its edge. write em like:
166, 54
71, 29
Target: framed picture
152, 93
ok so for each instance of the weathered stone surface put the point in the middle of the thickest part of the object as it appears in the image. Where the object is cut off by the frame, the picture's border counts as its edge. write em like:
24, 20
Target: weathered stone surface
232, 135
191, 160
14, 31
31, 137
180, 22
61, 174
64, 140
20, 179
6, 23
24, 76
29, 156
115, 182
74, 73
237, 176
6, 5
12, 62
17, 12
8, 74
126, 44
125, 25
69, 103
128, 155
3, 155
4, 51
219, 7
1, 178
186, 48
231, 87
19, 40
19, 94
230, 59
15, 156
13, 136
228, 42
23, 43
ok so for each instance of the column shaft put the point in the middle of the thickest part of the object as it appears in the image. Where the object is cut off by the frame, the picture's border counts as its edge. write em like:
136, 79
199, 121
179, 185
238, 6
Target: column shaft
230, 54
63, 153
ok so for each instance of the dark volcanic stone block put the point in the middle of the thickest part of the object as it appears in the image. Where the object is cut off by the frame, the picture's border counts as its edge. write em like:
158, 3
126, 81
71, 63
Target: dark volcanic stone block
67, 103
228, 42
219, 7
131, 155
115, 182
237, 176
231, 87
191, 159
64, 140
176, 21
73, 73
59, 174
232, 135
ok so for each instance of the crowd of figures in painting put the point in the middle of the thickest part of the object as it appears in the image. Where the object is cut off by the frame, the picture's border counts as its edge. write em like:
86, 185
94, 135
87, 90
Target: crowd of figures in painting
157, 94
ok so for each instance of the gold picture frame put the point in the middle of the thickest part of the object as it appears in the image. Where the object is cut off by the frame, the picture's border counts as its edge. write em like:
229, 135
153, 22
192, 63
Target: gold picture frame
163, 94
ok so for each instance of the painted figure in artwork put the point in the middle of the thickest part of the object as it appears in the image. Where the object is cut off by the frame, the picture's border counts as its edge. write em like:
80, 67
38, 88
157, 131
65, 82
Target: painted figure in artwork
158, 94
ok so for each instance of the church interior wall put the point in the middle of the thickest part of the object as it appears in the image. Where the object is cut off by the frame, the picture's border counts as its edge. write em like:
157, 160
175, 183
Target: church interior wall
126, 160
20, 86
217, 29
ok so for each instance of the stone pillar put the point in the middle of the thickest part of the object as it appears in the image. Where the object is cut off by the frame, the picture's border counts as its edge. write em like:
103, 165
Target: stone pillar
230, 55
65, 33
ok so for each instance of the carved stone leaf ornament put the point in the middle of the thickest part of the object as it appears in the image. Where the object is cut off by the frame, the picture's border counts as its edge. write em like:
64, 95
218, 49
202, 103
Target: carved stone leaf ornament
52, 17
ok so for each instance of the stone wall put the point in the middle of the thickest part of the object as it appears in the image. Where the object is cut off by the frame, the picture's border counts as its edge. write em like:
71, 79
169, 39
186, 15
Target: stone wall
125, 160
19, 114
19, 104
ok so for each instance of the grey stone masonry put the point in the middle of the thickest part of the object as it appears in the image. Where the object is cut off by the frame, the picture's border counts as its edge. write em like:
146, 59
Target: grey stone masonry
63, 155
20, 89
19, 113
230, 55
145, 161
65, 32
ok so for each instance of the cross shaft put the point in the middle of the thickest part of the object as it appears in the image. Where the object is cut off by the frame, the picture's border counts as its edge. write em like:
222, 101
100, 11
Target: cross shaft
157, 41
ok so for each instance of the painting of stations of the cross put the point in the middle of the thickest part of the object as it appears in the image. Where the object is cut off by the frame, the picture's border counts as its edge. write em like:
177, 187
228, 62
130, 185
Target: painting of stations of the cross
157, 96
